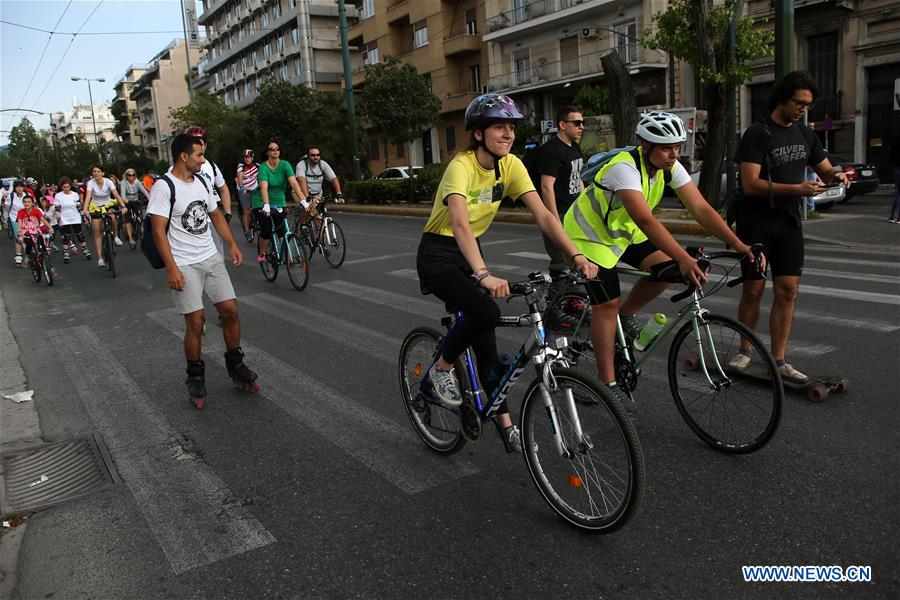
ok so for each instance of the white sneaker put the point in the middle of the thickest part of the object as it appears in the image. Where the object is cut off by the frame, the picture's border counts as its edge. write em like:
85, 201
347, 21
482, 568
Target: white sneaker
18, 259
789, 372
101, 263
740, 362
445, 388
119, 242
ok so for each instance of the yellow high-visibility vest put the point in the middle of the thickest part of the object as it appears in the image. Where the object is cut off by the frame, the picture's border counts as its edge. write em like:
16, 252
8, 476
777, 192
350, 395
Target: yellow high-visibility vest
598, 223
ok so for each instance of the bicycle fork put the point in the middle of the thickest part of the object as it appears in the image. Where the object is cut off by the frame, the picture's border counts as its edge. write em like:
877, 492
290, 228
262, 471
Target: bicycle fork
547, 384
723, 380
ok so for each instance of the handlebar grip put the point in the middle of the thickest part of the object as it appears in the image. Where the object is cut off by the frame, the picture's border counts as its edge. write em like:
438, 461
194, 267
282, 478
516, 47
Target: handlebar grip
684, 293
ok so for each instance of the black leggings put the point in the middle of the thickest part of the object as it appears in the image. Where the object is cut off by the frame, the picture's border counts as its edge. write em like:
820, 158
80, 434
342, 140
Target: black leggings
444, 272
69, 230
265, 223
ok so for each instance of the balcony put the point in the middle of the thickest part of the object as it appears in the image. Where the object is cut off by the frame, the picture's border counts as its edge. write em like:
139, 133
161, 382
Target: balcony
397, 11
461, 44
538, 15
544, 73
826, 105
213, 6
457, 101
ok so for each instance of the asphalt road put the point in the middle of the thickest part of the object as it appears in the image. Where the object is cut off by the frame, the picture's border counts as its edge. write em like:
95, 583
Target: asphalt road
317, 488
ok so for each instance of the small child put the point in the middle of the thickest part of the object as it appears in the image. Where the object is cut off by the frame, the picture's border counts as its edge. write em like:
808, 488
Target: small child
31, 222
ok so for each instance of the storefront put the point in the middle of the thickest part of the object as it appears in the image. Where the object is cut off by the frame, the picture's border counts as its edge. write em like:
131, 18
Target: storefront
882, 118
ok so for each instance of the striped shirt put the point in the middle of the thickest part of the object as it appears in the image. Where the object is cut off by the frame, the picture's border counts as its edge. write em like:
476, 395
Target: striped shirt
250, 173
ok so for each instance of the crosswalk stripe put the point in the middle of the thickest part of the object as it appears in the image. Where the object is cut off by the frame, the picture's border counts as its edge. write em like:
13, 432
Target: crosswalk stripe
870, 277
413, 253
496, 268
188, 507
405, 274
856, 262
379, 443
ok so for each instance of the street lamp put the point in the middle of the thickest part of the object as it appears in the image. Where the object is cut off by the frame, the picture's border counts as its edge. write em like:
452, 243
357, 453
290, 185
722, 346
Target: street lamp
93, 118
37, 112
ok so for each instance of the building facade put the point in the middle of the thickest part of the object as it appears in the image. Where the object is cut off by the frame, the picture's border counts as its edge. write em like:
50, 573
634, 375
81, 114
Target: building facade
250, 40
160, 89
852, 49
442, 39
124, 108
66, 126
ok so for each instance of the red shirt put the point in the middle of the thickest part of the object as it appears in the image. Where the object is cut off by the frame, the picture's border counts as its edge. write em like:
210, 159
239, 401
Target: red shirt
31, 221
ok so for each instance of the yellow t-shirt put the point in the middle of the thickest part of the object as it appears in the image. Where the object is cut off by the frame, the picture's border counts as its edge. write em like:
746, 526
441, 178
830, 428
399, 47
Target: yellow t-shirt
464, 176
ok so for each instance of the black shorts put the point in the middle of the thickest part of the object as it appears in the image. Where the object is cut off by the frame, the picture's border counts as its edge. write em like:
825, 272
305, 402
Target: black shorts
605, 287
71, 229
783, 245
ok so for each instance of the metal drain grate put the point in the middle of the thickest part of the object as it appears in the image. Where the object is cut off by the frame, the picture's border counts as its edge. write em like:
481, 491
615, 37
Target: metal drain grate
48, 475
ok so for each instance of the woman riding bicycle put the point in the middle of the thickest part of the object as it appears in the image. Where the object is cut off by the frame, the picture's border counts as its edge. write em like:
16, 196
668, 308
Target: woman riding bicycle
101, 195
131, 189
275, 175
449, 260
612, 221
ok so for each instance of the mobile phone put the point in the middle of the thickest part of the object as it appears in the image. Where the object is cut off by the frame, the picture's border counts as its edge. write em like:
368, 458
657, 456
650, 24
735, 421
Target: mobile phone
829, 186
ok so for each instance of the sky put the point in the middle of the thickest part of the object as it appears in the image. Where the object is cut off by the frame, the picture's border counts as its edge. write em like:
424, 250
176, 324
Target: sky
118, 34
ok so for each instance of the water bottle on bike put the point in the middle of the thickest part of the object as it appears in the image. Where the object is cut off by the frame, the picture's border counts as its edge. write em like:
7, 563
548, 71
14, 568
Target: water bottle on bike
649, 332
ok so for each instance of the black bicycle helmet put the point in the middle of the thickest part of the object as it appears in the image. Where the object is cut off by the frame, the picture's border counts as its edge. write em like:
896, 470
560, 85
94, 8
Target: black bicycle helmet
487, 109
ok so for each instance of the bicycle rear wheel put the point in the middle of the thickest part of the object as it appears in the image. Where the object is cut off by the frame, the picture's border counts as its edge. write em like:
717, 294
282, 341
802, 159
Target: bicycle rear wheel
109, 248
597, 484
269, 266
334, 246
569, 314
295, 262
306, 240
737, 415
436, 425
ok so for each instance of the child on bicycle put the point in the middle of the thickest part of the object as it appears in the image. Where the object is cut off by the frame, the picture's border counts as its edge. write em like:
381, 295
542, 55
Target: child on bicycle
449, 261
612, 221
31, 223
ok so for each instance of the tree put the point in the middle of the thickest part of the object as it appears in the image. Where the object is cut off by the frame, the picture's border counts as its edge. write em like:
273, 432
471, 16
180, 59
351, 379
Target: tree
399, 102
77, 158
30, 152
593, 100
228, 130
287, 113
624, 112
696, 31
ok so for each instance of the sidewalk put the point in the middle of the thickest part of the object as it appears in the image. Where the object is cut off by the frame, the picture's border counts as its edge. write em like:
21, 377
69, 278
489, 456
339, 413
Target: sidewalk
859, 223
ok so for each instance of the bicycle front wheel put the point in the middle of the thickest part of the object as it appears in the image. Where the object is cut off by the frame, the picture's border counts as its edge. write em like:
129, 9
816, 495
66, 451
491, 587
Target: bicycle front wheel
436, 425
596, 483
334, 246
269, 266
47, 266
109, 248
295, 262
728, 411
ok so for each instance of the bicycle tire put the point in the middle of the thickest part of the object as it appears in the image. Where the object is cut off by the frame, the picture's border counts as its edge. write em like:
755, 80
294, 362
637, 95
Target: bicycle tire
306, 240
435, 425
110, 250
715, 420
295, 263
334, 251
36, 268
47, 267
569, 484
269, 266
9, 229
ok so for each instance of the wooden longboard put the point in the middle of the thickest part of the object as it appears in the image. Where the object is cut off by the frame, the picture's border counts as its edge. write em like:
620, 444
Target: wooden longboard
816, 389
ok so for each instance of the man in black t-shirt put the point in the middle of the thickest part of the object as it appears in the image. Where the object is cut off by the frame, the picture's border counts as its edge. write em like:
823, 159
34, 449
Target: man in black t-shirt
559, 165
773, 155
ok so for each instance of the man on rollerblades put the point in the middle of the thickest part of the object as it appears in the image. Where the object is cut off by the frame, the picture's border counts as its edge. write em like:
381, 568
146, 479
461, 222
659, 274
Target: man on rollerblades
182, 208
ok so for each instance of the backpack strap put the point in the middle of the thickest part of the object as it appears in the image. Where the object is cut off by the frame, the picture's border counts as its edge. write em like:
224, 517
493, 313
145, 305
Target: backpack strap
171, 199
636, 157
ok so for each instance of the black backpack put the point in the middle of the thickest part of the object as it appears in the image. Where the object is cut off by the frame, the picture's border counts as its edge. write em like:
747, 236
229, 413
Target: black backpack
532, 161
148, 244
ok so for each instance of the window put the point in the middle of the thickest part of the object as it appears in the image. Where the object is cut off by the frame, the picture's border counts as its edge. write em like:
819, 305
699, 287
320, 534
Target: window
279, 43
283, 71
298, 66
373, 153
267, 50
367, 10
241, 34
625, 41
276, 10
450, 136
420, 34
295, 36
265, 17
228, 97
247, 89
216, 79
471, 22
255, 57
520, 11
522, 67
237, 94
293, 3
243, 64
233, 70
370, 54
568, 54
475, 78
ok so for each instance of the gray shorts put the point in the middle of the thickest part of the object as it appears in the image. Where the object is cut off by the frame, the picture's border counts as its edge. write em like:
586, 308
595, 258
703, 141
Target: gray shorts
207, 276
245, 198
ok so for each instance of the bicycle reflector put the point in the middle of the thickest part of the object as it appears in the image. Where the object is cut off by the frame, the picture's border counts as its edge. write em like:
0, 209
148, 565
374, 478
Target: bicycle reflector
418, 369
575, 481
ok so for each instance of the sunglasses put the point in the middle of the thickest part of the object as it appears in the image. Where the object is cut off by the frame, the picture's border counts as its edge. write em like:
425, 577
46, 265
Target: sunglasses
577, 122
315, 155
273, 149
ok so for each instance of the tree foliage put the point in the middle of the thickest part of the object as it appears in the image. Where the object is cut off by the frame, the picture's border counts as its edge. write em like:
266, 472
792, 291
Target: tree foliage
30, 153
228, 130
594, 100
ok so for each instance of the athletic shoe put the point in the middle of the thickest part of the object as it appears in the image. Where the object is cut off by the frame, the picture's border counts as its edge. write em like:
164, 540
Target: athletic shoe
248, 236
18, 259
789, 372
624, 399
119, 242
739, 362
512, 439
101, 263
87, 254
25, 263
261, 258
66, 256
445, 387
132, 245
631, 326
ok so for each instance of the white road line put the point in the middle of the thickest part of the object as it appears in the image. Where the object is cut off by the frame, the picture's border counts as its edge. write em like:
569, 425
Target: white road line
870, 277
188, 507
856, 262
534, 255
374, 344
496, 268
379, 443
405, 274
413, 253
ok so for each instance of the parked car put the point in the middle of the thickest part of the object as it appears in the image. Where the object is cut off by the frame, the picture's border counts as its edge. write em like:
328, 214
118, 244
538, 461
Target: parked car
863, 176
398, 173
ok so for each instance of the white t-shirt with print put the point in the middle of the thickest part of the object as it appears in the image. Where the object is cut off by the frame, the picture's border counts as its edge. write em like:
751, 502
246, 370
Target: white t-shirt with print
190, 228
100, 196
16, 202
625, 176
68, 208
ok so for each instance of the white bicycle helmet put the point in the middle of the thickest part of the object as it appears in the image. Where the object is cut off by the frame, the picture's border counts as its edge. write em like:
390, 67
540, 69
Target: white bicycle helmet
661, 128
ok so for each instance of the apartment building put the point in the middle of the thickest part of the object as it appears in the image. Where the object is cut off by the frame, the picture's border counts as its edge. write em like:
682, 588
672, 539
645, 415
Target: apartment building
442, 39
124, 108
249, 41
852, 48
542, 51
160, 89
66, 126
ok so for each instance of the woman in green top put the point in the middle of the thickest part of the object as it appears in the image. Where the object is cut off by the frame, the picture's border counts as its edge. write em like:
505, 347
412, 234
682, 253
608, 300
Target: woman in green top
274, 177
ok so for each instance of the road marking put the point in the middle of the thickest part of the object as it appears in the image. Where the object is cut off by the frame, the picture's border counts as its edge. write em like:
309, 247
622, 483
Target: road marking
856, 262
405, 274
496, 268
379, 443
187, 506
874, 297
399, 254
870, 277
374, 344
534, 255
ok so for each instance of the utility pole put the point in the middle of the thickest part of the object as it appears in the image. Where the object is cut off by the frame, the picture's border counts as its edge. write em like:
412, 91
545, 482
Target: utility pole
93, 118
730, 110
784, 37
348, 90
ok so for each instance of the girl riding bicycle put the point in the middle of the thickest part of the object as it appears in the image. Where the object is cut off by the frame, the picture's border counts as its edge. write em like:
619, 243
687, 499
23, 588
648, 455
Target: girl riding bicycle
31, 222
449, 261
